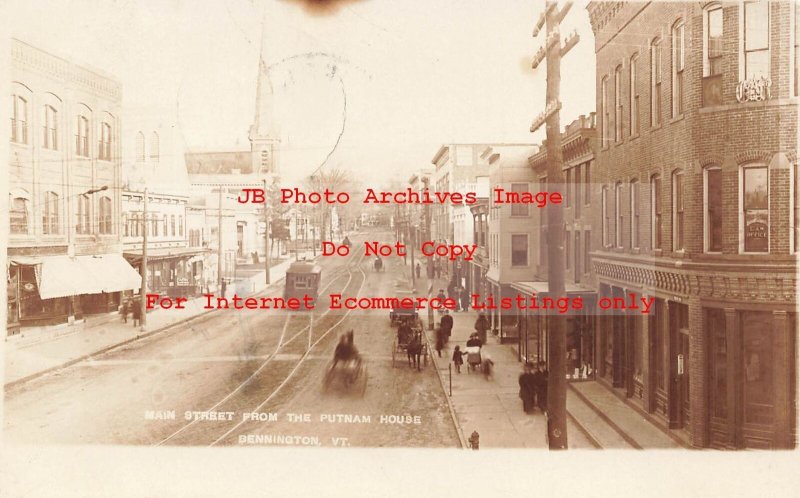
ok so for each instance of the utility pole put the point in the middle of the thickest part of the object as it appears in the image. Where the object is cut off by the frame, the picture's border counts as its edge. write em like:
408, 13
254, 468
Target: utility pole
219, 241
413, 230
296, 236
266, 234
556, 343
143, 291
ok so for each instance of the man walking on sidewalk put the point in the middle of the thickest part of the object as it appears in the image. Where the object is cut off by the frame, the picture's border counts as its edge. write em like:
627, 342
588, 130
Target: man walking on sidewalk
481, 326
446, 326
527, 387
137, 313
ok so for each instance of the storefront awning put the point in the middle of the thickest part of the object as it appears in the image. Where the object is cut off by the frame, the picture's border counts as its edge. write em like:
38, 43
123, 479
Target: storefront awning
165, 253
62, 276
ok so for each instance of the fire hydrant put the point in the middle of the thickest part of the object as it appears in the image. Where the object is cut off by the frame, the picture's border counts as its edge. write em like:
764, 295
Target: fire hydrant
474, 440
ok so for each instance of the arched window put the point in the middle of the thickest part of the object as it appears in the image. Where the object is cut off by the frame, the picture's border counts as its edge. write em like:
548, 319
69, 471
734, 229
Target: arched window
634, 91
155, 148
82, 132
83, 223
678, 64
754, 214
171, 225
634, 197
604, 112
656, 220
50, 127
19, 206
655, 82
105, 218
619, 217
19, 117
618, 104
712, 198
140, 147
678, 216
606, 217
50, 211
105, 139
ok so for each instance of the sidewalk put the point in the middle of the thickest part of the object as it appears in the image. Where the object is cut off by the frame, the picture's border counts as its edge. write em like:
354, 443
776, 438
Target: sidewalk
492, 408
34, 353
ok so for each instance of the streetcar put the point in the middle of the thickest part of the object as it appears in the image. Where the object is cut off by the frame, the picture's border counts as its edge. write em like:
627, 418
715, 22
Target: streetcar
302, 278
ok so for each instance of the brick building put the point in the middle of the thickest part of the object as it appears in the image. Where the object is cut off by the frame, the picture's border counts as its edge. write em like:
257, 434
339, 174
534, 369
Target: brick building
64, 174
697, 171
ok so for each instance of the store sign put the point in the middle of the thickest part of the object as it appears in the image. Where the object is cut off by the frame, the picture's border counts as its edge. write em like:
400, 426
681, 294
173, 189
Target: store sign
756, 233
183, 281
755, 89
680, 364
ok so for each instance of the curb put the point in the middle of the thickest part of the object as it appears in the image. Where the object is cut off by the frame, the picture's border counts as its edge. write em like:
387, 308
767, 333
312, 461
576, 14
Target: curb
450, 408
628, 439
165, 328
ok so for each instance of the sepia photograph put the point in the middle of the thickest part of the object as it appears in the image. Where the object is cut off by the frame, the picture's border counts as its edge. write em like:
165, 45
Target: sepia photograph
368, 232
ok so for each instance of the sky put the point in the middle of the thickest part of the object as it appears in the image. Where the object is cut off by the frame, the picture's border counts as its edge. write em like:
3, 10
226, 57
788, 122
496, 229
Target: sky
373, 86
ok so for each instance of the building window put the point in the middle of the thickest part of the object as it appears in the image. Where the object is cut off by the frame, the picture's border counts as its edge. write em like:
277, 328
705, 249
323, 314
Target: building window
519, 250
755, 208
155, 148
19, 119
577, 201
105, 216
604, 113
50, 214
606, 220
796, 208
655, 82
519, 209
125, 227
634, 89
678, 65
135, 226
712, 55
104, 146
567, 185
567, 249
82, 221
180, 225
619, 217
587, 249
171, 225
19, 215
677, 212
50, 128
756, 39
82, 137
618, 104
140, 147
635, 214
655, 205
577, 256
587, 193
713, 209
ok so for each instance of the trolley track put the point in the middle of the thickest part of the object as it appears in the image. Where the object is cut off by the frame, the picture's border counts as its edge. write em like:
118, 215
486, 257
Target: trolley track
269, 381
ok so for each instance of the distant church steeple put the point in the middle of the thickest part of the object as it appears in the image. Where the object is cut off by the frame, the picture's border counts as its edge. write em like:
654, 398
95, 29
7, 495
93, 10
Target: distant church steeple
264, 138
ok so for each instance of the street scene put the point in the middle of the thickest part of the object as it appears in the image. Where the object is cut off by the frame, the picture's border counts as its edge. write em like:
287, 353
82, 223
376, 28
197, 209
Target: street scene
581, 233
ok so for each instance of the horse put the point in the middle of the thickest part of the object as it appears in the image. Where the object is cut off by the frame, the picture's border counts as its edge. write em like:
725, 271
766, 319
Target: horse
414, 351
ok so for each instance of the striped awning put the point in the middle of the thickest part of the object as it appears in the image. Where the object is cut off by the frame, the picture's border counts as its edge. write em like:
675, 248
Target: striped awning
61, 276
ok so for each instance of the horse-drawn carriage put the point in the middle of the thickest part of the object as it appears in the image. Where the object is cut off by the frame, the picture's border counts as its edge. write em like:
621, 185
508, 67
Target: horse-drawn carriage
347, 369
410, 340
377, 264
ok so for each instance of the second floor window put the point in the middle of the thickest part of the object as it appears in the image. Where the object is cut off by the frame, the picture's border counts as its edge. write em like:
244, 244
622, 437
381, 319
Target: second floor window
104, 146
634, 214
50, 214
655, 83
519, 250
713, 218
19, 120
655, 206
180, 225
755, 208
604, 113
50, 128
634, 89
519, 209
756, 38
83, 223
140, 147
171, 225
587, 191
678, 218
155, 146
619, 216
606, 218
82, 137
712, 65
18, 215
105, 219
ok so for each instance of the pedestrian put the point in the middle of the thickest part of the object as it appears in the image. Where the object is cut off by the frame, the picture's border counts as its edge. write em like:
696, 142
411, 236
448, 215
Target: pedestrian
481, 326
440, 340
541, 389
487, 365
527, 388
125, 310
458, 358
224, 283
429, 269
446, 325
137, 313
441, 297
418, 269
474, 341
437, 269
464, 300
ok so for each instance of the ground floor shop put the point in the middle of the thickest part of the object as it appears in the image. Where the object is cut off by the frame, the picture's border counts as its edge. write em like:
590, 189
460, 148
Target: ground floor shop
722, 371
48, 290
172, 272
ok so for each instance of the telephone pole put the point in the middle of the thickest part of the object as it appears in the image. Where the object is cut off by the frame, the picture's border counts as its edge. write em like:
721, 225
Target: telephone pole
143, 291
556, 341
266, 233
219, 242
